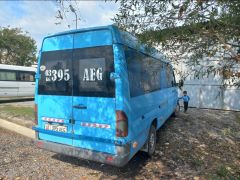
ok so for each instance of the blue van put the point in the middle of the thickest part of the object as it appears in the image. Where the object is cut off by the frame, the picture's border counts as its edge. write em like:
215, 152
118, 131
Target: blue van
101, 95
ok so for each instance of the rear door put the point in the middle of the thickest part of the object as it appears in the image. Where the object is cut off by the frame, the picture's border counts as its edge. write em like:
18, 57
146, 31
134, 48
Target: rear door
55, 89
94, 98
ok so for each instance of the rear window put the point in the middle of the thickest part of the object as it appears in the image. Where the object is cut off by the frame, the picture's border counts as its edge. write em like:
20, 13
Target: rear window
77, 72
56, 73
92, 68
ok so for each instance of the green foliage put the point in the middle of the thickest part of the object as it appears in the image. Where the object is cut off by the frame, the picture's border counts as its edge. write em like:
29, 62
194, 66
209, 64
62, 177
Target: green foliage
16, 47
223, 172
188, 30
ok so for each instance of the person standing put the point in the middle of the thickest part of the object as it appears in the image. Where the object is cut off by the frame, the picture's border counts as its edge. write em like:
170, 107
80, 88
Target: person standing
185, 99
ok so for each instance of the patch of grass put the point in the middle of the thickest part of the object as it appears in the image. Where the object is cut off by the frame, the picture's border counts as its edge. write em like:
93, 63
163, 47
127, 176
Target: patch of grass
238, 119
228, 132
18, 111
223, 172
196, 162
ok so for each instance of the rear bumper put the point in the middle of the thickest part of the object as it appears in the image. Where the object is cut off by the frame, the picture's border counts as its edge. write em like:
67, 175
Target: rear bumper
120, 159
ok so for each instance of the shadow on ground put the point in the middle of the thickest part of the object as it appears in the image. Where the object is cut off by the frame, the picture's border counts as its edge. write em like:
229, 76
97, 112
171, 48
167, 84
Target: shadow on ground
139, 164
199, 144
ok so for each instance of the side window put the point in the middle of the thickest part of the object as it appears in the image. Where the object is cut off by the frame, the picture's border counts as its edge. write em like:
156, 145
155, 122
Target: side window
26, 76
170, 79
144, 72
157, 74
151, 74
163, 81
7, 75
134, 72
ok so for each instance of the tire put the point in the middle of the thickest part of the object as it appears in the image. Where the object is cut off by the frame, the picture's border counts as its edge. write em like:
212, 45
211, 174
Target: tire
152, 138
176, 111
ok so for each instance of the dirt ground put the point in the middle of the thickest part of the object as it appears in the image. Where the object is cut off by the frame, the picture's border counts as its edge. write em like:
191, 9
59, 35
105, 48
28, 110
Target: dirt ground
202, 144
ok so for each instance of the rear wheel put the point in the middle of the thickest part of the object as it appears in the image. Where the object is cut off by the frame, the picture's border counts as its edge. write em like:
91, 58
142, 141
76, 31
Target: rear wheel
152, 140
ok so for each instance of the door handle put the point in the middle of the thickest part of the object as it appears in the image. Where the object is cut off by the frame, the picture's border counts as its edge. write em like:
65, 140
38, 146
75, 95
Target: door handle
71, 121
80, 107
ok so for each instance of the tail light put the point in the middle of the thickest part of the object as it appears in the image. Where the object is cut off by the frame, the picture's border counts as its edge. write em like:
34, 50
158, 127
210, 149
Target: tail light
36, 113
121, 124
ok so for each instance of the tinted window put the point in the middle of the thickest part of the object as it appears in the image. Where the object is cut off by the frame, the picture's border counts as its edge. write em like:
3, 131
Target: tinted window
78, 72
144, 72
134, 72
55, 73
26, 76
151, 69
163, 83
170, 77
92, 68
8, 75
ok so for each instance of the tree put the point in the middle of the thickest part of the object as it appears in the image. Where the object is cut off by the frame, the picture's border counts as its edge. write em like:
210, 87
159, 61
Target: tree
16, 47
189, 30
66, 8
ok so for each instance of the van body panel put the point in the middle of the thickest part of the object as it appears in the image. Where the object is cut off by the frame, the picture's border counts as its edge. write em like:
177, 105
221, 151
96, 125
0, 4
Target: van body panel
57, 107
9, 89
97, 120
58, 43
93, 38
144, 109
122, 90
26, 88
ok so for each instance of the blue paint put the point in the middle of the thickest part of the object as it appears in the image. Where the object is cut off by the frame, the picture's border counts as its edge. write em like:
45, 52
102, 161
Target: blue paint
101, 111
75, 136
58, 43
140, 110
92, 38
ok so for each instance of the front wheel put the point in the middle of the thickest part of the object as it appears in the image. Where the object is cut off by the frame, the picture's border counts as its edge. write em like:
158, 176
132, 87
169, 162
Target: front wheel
152, 141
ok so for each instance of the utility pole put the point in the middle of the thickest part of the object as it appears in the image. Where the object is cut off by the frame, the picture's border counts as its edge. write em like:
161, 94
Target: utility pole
74, 11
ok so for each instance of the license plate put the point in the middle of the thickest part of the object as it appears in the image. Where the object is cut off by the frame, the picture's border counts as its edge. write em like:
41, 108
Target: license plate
54, 127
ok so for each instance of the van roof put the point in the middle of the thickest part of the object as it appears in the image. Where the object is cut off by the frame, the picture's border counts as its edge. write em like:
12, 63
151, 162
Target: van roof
121, 37
14, 67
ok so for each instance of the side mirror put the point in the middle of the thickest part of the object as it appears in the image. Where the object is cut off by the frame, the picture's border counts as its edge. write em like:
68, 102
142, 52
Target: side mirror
114, 76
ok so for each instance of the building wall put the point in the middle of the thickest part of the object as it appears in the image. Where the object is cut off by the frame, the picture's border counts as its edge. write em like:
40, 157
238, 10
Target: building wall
210, 92
213, 96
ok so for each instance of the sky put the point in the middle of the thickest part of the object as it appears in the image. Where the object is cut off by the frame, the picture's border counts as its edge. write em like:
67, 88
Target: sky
38, 18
